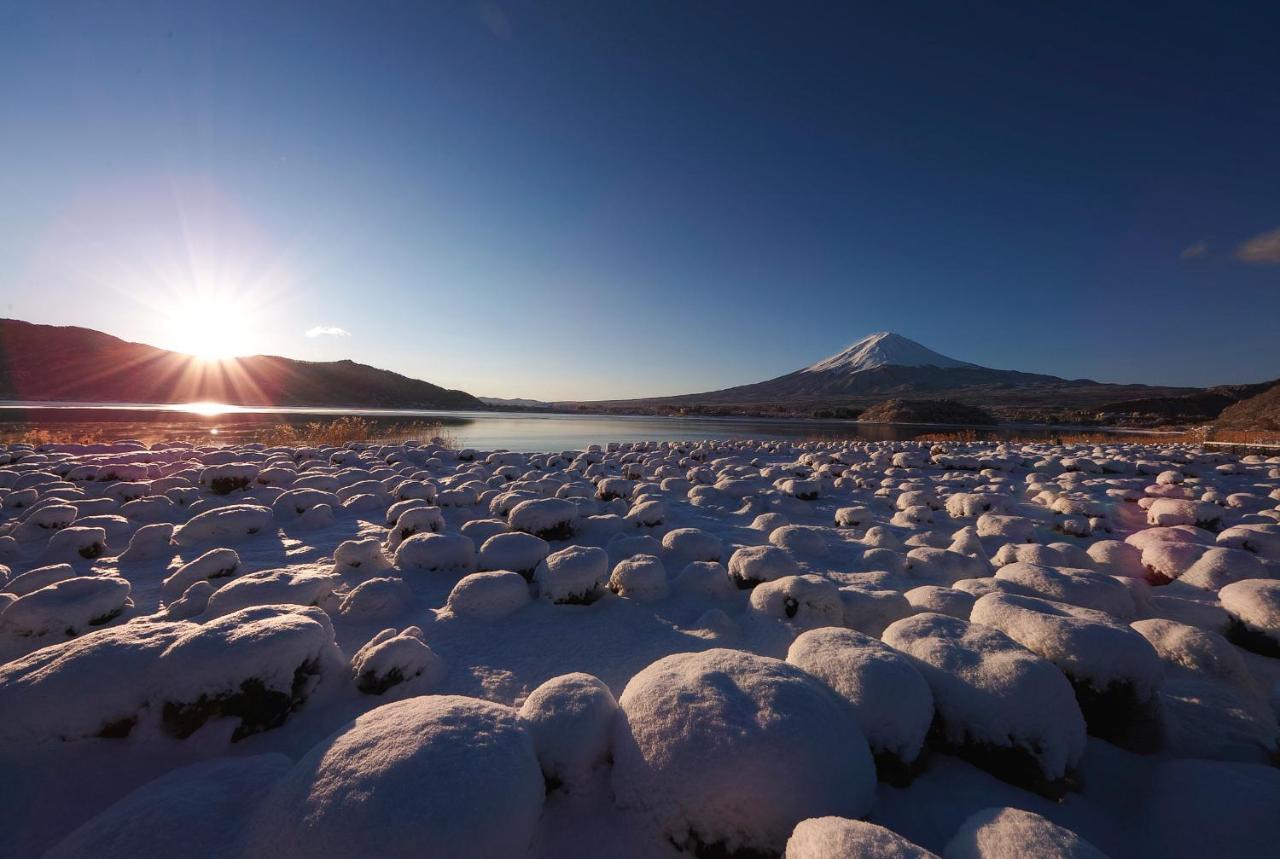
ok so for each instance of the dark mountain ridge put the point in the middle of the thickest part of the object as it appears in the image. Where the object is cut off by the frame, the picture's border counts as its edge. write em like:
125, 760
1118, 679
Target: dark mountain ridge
48, 363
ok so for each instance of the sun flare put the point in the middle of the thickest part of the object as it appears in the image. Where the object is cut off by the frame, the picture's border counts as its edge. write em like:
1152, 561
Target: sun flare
208, 326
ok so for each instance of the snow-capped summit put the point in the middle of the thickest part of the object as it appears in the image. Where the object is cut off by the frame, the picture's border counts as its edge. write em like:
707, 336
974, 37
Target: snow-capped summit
884, 349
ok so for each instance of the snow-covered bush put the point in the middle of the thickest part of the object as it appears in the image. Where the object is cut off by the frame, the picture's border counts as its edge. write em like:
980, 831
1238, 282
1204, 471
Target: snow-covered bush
841, 838
1011, 833
547, 518
297, 587
1254, 607
890, 699
805, 601
211, 566
470, 800
998, 705
640, 577
489, 595
751, 565
685, 545
375, 598
727, 750
391, 659
223, 523
255, 667
65, 608
1113, 669
364, 554
1078, 587
445, 553
575, 575
516, 551
571, 718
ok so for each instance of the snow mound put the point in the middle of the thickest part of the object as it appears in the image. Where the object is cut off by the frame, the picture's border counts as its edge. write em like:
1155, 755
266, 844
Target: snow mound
547, 518
255, 667
574, 576
272, 587
453, 775
193, 810
1254, 607
841, 838
211, 566
518, 552
65, 608
999, 705
729, 749
443, 553
375, 598
751, 565
1113, 669
1083, 588
1011, 833
223, 523
805, 601
489, 595
640, 577
891, 701
391, 659
571, 719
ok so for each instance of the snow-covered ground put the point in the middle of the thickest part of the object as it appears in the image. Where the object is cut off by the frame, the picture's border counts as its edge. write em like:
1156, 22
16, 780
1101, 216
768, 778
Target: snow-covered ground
644, 650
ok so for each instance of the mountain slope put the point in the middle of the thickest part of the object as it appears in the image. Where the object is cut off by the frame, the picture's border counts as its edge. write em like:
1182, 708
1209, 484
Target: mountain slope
883, 364
885, 349
887, 365
53, 363
1260, 412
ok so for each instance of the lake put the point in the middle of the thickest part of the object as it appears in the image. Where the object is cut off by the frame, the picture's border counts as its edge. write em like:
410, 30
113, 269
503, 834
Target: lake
215, 423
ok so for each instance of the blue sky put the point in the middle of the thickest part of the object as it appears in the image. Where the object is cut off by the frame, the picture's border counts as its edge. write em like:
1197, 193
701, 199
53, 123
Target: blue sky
576, 200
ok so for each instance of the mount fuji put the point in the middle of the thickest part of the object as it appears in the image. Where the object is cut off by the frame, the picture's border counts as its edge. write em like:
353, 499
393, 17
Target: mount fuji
886, 365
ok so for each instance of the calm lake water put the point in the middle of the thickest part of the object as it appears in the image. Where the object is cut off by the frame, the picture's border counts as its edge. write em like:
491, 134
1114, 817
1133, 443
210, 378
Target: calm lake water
219, 424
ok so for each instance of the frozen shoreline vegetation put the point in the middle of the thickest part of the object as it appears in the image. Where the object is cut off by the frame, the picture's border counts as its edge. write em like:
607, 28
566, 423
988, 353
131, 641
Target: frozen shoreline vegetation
746, 649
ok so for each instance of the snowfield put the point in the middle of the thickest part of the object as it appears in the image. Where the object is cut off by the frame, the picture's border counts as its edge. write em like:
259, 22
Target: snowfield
704, 649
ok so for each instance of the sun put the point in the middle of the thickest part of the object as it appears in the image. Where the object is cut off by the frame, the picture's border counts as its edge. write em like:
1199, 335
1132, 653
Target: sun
209, 325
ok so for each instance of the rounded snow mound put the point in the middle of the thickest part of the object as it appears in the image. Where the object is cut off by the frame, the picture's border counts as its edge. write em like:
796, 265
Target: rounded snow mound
195, 810
440, 774
890, 699
728, 750
841, 838
998, 704
1011, 833
806, 601
488, 596
751, 565
575, 575
571, 719
1254, 608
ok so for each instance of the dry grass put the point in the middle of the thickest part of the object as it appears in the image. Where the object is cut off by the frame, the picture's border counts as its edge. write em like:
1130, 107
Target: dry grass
71, 435
334, 433
339, 431
1199, 435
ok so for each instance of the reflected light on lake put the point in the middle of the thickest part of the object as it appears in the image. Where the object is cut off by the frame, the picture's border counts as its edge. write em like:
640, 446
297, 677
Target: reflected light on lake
206, 409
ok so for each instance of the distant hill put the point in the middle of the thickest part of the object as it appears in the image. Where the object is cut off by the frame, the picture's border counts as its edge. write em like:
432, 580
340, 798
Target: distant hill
54, 363
515, 403
927, 412
889, 366
1260, 412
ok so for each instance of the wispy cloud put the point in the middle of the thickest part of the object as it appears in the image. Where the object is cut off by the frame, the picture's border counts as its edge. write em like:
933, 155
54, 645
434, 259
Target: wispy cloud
328, 331
1196, 250
1262, 249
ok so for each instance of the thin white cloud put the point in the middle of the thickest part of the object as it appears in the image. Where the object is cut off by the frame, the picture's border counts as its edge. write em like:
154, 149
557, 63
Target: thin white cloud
1196, 250
1262, 249
328, 331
